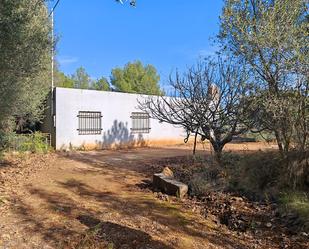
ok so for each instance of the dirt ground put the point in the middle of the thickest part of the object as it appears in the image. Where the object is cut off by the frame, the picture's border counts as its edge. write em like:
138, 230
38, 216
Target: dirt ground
52, 201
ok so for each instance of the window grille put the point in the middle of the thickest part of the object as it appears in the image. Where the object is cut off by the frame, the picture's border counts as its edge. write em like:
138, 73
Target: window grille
140, 122
89, 123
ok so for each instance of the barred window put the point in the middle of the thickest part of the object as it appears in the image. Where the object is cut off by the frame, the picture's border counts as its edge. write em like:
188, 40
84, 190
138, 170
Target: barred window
89, 123
140, 122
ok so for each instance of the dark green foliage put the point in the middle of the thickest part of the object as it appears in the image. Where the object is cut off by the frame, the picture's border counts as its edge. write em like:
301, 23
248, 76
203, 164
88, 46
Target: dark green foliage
4, 140
297, 202
136, 78
62, 80
80, 80
36, 142
101, 85
271, 38
25, 61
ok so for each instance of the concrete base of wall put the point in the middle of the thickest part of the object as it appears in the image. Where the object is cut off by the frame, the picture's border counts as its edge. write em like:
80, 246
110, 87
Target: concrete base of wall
126, 145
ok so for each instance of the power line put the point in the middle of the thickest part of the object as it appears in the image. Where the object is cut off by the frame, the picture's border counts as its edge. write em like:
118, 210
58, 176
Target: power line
42, 1
132, 2
55, 6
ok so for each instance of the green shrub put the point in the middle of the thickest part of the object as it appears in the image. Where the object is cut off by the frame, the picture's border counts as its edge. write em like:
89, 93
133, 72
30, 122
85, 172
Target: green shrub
36, 142
256, 175
297, 202
4, 139
40, 143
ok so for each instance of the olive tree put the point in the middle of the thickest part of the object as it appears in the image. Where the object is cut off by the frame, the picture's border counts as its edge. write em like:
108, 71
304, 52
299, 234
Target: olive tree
24, 66
271, 38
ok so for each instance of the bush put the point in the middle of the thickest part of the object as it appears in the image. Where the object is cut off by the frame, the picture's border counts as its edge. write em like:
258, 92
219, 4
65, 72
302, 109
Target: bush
256, 175
264, 174
4, 140
204, 181
40, 143
36, 142
296, 202
198, 186
298, 169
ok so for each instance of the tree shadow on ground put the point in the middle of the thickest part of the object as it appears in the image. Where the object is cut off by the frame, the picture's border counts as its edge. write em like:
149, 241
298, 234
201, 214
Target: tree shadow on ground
68, 224
5, 164
142, 212
261, 215
118, 235
34, 223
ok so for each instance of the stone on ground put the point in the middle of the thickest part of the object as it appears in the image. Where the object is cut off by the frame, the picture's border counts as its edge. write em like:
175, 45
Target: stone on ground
168, 172
169, 185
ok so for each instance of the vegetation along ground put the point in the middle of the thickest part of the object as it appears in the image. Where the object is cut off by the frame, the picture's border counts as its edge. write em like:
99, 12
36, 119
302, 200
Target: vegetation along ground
105, 199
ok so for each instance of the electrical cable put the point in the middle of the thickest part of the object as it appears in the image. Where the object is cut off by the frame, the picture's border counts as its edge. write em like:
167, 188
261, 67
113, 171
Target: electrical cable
55, 6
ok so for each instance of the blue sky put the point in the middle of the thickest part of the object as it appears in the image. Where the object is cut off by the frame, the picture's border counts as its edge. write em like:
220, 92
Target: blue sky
101, 34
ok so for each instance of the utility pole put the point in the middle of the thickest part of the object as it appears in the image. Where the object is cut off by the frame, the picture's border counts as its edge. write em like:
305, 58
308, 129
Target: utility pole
51, 14
52, 100
52, 71
52, 51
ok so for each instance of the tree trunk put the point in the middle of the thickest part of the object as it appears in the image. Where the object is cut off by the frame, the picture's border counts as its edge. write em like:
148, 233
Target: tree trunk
218, 148
279, 143
218, 153
194, 146
283, 144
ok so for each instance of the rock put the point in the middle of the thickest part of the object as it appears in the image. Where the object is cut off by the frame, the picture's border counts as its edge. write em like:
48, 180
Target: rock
168, 172
269, 225
169, 185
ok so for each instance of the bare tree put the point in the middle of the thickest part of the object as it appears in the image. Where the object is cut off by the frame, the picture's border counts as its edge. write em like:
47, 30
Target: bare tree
206, 101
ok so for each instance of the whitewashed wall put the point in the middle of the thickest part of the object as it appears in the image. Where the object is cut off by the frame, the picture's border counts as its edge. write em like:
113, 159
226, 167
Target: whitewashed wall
116, 109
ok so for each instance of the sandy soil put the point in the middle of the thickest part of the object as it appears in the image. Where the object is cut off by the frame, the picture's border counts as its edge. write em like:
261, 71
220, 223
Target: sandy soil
54, 200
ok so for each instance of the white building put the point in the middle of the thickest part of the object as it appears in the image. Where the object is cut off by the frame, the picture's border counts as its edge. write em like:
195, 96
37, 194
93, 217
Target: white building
97, 119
